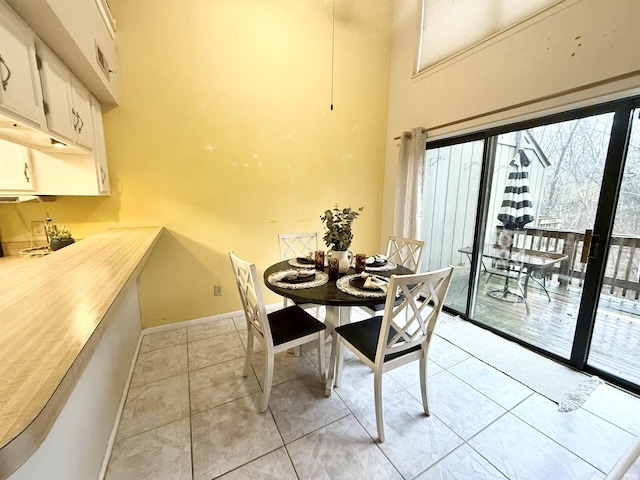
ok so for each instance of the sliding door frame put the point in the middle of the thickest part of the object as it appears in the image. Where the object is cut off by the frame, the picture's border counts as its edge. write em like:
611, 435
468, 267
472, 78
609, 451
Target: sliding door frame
603, 225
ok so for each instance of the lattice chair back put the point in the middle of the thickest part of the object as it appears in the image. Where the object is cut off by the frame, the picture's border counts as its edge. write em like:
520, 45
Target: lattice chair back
255, 312
297, 244
408, 325
405, 251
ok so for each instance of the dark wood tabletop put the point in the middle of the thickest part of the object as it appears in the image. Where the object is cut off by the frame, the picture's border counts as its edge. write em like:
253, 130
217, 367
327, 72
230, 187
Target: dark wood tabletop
327, 294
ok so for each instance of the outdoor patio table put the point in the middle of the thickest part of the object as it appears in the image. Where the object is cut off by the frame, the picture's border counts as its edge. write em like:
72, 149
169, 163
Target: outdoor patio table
517, 263
338, 303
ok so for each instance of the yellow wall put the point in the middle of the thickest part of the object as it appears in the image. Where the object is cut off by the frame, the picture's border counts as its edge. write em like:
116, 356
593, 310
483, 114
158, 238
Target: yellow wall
225, 136
582, 52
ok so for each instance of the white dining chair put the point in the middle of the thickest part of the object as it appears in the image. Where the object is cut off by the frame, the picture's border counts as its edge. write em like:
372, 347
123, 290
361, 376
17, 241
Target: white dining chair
278, 331
401, 251
405, 251
297, 244
402, 335
293, 245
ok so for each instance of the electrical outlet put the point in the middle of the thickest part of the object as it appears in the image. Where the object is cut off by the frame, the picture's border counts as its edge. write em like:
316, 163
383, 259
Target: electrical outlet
37, 229
217, 290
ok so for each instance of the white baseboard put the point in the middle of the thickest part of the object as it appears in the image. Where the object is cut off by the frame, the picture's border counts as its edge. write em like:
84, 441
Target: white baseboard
196, 321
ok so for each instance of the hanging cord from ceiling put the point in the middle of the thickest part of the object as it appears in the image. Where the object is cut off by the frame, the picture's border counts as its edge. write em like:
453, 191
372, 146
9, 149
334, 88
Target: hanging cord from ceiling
333, 45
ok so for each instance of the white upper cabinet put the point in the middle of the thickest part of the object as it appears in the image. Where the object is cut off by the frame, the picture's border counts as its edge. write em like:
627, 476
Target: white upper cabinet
68, 101
20, 93
100, 150
16, 173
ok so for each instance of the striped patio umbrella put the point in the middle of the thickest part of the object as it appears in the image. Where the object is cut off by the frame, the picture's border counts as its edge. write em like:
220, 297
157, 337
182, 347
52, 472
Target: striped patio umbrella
517, 208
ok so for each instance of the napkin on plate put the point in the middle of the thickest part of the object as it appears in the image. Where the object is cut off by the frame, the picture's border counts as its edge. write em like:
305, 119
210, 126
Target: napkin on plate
379, 258
372, 282
294, 274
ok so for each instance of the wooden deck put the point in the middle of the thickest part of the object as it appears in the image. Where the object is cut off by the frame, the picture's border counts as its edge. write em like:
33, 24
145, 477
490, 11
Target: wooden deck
615, 346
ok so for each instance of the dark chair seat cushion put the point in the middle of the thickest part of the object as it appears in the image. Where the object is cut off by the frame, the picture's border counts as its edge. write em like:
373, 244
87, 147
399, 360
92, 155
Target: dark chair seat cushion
364, 336
291, 323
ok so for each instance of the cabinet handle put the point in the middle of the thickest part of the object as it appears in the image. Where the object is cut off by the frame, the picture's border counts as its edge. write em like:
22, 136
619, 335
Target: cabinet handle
26, 172
80, 123
75, 119
103, 175
5, 81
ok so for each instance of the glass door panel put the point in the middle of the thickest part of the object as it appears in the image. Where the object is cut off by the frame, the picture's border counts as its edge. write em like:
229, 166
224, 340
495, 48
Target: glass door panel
543, 200
615, 343
451, 189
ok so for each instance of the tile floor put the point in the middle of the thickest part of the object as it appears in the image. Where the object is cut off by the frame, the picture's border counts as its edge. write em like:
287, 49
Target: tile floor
190, 414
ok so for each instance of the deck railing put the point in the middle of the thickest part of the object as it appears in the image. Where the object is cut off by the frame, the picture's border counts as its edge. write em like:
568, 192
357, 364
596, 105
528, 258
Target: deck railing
622, 276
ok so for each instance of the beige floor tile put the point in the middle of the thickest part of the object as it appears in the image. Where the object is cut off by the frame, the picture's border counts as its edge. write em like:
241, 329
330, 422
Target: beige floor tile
409, 374
356, 386
286, 367
221, 383
210, 329
463, 462
462, 408
342, 449
154, 404
230, 435
161, 453
213, 350
413, 441
300, 407
240, 322
158, 364
168, 338
258, 346
273, 466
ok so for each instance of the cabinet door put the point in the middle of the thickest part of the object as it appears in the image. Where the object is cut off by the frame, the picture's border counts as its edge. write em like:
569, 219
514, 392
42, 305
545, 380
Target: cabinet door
56, 85
15, 168
99, 150
20, 92
81, 110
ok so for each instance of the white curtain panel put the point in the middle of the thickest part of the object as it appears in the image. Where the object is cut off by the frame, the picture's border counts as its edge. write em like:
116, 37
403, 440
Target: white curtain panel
407, 219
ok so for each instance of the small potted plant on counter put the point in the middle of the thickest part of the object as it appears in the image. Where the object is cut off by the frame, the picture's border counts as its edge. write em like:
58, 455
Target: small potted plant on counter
58, 237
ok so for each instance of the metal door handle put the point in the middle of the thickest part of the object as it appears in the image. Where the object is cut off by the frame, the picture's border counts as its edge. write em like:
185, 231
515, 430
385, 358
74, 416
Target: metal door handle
80, 123
26, 172
594, 251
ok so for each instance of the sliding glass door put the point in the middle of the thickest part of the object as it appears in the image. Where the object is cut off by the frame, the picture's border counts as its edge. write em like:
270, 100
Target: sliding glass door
615, 343
525, 216
543, 198
452, 180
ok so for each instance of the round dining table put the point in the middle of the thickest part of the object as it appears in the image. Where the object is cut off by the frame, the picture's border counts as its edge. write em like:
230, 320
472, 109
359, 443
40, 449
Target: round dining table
337, 302
328, 294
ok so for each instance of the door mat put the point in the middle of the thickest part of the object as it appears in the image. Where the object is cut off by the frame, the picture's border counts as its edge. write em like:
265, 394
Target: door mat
561, 384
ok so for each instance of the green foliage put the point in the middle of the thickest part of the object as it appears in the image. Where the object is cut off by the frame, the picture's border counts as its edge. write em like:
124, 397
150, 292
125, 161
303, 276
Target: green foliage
53, 232
338, 235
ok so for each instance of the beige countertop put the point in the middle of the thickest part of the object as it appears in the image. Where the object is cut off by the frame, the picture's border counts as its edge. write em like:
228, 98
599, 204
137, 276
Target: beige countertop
51, 310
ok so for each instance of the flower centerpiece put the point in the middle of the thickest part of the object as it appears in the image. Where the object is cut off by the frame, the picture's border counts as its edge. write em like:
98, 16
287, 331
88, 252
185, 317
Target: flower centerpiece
338, 234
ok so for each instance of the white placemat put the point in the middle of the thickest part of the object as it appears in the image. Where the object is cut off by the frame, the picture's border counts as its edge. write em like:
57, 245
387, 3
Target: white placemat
274, 279
295, 263
346, 287
387, 267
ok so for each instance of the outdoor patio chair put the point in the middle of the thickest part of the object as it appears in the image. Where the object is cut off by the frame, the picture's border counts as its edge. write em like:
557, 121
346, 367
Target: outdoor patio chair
278, 331
402, 335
